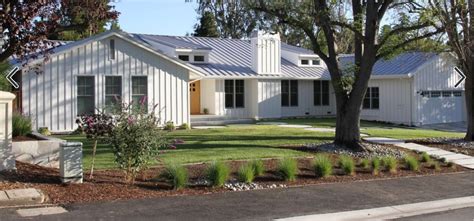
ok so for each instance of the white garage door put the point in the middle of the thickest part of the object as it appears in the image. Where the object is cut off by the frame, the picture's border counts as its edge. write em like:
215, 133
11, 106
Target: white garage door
442, 107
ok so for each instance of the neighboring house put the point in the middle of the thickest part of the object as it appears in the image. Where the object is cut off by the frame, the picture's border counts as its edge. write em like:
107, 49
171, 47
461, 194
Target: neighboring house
232, 79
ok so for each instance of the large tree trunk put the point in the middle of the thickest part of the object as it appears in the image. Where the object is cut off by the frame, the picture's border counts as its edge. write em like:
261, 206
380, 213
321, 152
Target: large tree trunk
347, 127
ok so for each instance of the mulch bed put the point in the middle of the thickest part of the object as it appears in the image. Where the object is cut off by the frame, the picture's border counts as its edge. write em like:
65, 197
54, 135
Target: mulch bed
107, 185
23, 138
446, 146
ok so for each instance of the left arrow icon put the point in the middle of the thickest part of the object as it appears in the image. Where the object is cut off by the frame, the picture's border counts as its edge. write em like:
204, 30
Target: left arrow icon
10, 77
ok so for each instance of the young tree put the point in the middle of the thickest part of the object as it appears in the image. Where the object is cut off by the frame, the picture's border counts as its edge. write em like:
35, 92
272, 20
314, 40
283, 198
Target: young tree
207, 26
317, 19
457, 16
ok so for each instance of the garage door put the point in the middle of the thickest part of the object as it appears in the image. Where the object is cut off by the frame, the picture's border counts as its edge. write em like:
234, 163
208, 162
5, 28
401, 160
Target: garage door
442, 107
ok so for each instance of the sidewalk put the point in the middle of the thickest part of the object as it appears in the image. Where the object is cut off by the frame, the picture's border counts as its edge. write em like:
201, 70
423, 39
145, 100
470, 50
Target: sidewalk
20, 197
276, 203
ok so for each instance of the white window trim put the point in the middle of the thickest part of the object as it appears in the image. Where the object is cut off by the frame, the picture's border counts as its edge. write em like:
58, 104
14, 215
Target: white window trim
234, 105
289, 94
370, 99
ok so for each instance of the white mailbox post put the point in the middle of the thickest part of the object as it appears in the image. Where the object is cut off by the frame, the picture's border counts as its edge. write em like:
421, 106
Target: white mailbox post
7, 159
70, 162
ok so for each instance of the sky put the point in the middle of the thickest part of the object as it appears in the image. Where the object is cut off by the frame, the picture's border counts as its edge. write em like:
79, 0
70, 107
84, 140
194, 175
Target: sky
166, 17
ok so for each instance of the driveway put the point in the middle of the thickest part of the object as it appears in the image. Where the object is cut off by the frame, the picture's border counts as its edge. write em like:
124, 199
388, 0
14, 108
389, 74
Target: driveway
451, 127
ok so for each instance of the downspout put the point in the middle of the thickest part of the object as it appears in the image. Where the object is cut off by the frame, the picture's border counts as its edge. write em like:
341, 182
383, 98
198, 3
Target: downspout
412, 91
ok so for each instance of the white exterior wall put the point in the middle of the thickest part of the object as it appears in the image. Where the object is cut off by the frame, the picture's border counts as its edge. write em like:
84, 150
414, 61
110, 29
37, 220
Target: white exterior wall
269, 98
50, 97
395, 101
438, 75
266, 53
248, 111
306, 102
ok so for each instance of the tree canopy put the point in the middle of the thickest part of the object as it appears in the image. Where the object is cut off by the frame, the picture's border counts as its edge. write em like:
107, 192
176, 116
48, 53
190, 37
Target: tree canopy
207, 26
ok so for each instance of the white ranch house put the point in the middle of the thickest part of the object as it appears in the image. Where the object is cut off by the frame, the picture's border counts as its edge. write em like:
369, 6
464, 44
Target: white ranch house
230, 79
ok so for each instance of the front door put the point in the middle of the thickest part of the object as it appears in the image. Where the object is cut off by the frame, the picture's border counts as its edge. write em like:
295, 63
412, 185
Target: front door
195, 91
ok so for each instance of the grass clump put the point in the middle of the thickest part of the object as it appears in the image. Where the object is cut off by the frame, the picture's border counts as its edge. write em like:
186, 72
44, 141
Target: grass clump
411, 163
347, 165
246, 173
365, 163
21, 124
376, 165
218, 173
288, 169
390, 163
425, 157
176, 175
258, 167
322, 166
435, 165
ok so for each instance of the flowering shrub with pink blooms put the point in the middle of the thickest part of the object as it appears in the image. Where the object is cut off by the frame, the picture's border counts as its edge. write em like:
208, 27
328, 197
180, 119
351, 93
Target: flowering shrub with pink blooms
137, 140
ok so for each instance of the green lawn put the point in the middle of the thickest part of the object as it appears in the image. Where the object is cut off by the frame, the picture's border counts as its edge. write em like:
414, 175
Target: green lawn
251, 142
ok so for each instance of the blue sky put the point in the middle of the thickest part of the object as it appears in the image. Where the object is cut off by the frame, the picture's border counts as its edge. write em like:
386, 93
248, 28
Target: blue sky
167, 17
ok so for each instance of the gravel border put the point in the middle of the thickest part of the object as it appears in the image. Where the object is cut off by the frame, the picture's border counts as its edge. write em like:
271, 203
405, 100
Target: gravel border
458, 142
377, 150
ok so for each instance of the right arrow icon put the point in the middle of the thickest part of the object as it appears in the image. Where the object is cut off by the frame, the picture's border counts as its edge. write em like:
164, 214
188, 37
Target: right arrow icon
462, 76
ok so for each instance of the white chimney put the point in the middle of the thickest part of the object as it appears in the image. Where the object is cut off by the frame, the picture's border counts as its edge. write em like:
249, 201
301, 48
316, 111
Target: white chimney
266, 53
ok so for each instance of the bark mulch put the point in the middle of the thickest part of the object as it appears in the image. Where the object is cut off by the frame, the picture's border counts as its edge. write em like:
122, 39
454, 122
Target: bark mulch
107, 185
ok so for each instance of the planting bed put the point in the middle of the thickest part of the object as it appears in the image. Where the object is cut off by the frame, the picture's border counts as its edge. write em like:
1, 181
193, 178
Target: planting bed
108, 185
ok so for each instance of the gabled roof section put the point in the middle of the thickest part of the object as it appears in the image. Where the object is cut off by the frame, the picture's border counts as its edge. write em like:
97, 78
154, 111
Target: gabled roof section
402, 64
122, 35
169, 41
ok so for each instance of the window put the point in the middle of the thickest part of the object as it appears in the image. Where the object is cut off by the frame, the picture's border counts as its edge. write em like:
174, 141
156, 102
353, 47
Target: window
316, 62
435, 94
183, 57
234, 93
457, 93
198, 58
139, 92
321, 93
304, 62
446, 93
113, 93
112, 49
85, 95
371, 99
289, 93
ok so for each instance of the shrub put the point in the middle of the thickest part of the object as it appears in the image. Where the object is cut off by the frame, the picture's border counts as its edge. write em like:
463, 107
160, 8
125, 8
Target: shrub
435, 165
246, 173
443, 160
390, 163
288, 169
169, 126
347, 165
425, 157
21, 124
177, 175
136, 141
95, 127
364, 163
451, 165
218, 173
258, 167
205, 111
375, 165
411, 163
322, 166
184, 126
44, 131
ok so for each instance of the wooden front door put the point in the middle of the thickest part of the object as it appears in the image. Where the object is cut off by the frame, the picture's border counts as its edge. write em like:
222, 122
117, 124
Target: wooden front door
195, 91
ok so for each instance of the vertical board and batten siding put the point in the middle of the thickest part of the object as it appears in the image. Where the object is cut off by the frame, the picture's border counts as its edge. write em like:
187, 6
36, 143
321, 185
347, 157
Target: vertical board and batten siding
395, 102
269, 98
247, 111
438, 75
51, 96
306, 105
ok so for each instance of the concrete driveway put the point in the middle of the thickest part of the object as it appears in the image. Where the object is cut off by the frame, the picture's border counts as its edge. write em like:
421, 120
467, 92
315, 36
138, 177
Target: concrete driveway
452, 127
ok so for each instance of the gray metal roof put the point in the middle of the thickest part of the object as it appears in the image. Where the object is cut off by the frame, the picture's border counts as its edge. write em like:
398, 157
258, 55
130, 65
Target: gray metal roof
401, 64
232, 58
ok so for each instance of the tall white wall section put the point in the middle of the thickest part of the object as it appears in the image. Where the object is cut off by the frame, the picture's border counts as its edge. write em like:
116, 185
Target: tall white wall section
50, 97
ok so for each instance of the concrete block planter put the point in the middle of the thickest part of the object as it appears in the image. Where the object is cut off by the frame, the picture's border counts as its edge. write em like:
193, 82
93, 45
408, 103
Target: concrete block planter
43, 151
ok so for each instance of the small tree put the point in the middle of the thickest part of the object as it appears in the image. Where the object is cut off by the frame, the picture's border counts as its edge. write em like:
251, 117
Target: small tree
136, 140
95, 126
207, 26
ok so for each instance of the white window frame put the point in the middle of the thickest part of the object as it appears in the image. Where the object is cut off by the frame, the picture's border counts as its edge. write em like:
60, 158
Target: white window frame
234, 94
